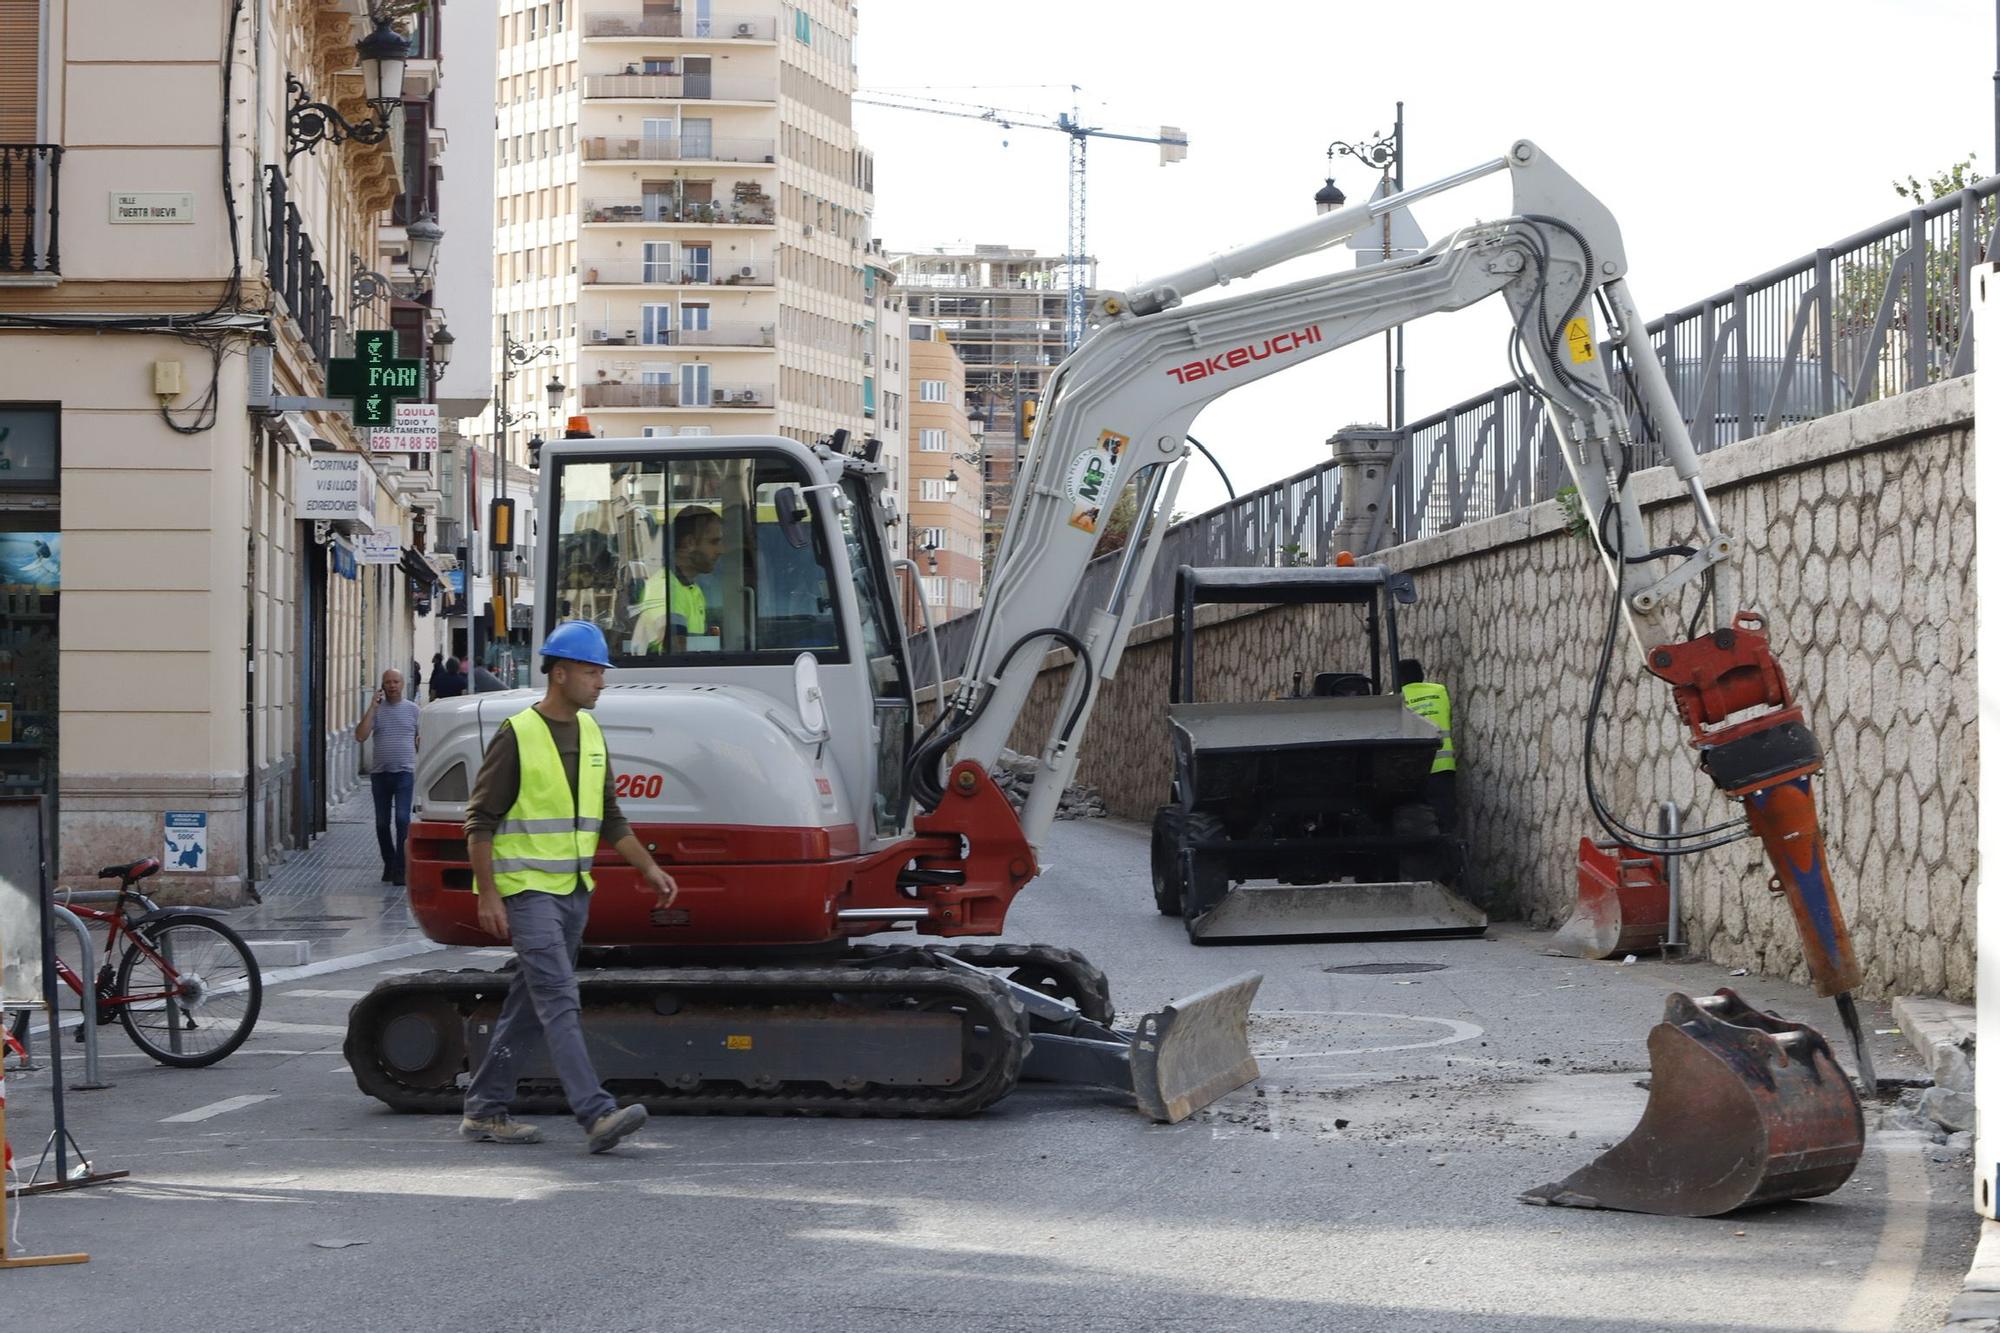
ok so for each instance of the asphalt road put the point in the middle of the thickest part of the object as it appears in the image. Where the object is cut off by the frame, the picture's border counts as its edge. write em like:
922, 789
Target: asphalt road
1366, 1181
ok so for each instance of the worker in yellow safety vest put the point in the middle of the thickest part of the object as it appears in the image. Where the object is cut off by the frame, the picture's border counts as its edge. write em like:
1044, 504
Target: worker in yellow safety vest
673, 608
543, 800
1432, 702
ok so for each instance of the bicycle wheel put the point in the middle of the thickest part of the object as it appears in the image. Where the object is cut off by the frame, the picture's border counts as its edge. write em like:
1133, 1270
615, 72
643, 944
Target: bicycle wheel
206, 1008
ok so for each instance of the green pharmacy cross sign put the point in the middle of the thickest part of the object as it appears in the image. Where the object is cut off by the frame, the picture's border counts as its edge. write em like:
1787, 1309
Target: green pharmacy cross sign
374, 377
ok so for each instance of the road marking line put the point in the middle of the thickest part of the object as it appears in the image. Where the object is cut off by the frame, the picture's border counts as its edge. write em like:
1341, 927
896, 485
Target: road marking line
1887, 1285
214, 1109
323, 994
343, 963
315, 1029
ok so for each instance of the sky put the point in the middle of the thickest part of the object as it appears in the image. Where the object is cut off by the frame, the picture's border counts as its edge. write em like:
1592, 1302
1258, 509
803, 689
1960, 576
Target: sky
1726, 139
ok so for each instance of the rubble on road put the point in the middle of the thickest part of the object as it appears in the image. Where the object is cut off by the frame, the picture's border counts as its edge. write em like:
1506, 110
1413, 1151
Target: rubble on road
1015, 773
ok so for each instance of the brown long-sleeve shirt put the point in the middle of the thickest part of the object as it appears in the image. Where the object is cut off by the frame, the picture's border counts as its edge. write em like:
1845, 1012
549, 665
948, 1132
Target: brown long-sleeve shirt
499, 783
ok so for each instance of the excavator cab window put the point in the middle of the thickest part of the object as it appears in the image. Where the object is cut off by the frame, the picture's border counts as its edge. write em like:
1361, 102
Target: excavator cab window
681, 559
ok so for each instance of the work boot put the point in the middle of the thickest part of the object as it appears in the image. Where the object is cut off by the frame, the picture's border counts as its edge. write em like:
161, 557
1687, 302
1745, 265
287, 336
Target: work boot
607, 1130
498, 1129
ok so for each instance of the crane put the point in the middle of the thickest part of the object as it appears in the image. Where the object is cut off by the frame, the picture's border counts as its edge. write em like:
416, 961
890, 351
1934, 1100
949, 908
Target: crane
1172, 141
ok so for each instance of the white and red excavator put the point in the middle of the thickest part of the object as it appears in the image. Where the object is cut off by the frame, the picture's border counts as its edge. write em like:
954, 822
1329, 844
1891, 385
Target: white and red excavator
773, 761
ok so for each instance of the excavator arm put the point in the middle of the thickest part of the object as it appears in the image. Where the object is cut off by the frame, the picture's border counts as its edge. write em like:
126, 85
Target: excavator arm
1116, 413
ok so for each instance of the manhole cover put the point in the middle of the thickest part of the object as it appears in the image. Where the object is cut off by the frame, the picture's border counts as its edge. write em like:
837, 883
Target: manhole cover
1385, 969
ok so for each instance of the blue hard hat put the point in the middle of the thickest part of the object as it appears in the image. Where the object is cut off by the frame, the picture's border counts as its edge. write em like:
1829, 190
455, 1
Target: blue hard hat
577, 641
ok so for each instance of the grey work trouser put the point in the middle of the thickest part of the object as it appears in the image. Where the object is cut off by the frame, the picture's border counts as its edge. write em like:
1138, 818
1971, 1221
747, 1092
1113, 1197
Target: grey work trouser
546, 930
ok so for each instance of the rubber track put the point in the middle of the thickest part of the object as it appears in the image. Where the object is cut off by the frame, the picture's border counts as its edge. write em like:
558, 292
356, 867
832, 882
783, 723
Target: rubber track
986, 998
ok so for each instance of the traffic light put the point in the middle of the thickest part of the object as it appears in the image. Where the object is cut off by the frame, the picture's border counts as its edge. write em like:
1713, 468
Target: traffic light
501, 525
1027, 418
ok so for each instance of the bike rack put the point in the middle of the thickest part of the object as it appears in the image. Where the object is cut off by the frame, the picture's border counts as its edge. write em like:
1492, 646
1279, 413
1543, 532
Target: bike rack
93, 1074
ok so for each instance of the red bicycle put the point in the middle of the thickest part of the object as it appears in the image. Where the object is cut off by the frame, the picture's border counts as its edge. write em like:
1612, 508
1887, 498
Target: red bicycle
186, 987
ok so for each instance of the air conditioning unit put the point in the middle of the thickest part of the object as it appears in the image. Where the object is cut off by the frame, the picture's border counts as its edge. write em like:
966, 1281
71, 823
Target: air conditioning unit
749, 271
745, 30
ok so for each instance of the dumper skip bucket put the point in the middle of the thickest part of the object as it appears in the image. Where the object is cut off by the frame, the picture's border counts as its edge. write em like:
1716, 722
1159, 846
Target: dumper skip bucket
1745, 1108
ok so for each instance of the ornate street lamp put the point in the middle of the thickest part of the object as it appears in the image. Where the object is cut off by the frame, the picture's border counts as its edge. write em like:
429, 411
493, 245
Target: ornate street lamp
383, 53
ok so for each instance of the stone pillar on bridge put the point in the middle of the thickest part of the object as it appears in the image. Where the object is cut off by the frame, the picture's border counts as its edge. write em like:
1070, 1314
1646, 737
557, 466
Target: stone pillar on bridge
1365, 455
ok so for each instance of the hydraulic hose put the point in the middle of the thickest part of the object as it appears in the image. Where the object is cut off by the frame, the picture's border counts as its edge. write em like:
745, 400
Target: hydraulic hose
934, 744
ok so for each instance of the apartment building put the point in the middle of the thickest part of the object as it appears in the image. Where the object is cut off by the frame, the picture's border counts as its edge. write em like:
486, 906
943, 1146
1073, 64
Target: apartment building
885, 388
204, 565
947, 492
681, 217
1002, 310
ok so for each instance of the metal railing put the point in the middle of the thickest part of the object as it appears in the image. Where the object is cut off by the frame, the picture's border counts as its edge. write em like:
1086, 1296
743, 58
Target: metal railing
678, 148
682, 87
670, 395
733, 27
676, 272
298, 279
1871, 316
667, 209
720, 335
30, 209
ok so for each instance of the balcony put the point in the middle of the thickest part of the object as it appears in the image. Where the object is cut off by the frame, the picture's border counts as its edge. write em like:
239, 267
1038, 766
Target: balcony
613, 395
681, 87
717, 212
30, 244
679, 148
298, 280
722, 335
681, 273
728, 27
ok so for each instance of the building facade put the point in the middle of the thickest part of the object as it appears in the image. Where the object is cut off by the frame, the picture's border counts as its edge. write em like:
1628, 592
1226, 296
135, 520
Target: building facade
947, 492
681, 218
203, 564
885, 388
1002, 309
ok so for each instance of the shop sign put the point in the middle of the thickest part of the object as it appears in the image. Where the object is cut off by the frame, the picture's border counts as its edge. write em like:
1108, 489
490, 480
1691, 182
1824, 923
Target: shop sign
415, 431
338, 488
378, 548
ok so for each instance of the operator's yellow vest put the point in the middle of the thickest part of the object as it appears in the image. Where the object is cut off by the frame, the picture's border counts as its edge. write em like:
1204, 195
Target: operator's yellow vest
547, 840
665, 594
1432, 703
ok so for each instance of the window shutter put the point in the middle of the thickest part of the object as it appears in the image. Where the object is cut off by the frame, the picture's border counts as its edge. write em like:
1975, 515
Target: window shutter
20, 76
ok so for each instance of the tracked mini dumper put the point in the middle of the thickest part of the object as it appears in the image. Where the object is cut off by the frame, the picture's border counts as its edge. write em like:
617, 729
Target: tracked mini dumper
1305, 817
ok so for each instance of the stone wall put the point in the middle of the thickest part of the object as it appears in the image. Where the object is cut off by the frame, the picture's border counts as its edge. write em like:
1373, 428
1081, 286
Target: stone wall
1855, 535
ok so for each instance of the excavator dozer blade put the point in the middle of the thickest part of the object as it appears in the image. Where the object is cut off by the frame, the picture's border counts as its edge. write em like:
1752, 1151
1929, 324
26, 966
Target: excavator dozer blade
1401, 910
1746, 1108
1194, 1050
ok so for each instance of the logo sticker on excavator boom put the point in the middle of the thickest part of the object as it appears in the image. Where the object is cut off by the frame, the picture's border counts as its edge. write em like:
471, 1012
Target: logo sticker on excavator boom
1582, 347
1090, 477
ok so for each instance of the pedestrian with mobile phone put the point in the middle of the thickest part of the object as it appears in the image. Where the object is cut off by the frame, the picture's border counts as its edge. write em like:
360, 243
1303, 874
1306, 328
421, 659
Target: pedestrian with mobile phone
391, 720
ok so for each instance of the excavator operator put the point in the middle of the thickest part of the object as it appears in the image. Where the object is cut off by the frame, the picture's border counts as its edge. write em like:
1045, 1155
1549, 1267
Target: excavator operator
674, 609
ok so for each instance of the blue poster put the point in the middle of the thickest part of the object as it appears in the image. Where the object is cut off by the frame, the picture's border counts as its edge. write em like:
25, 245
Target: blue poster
31, 561
187, 840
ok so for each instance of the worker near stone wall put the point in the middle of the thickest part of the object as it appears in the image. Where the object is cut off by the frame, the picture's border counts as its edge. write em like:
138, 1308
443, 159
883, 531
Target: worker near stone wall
1432, 702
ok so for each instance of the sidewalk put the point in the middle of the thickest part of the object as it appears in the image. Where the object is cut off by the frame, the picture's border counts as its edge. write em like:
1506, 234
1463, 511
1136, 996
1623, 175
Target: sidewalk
329, 901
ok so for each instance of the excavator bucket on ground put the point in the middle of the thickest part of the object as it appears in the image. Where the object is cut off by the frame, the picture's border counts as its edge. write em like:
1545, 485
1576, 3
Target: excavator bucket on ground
1746, 1108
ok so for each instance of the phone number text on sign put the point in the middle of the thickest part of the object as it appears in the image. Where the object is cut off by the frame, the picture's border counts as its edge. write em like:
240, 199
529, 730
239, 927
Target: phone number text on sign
415, 431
